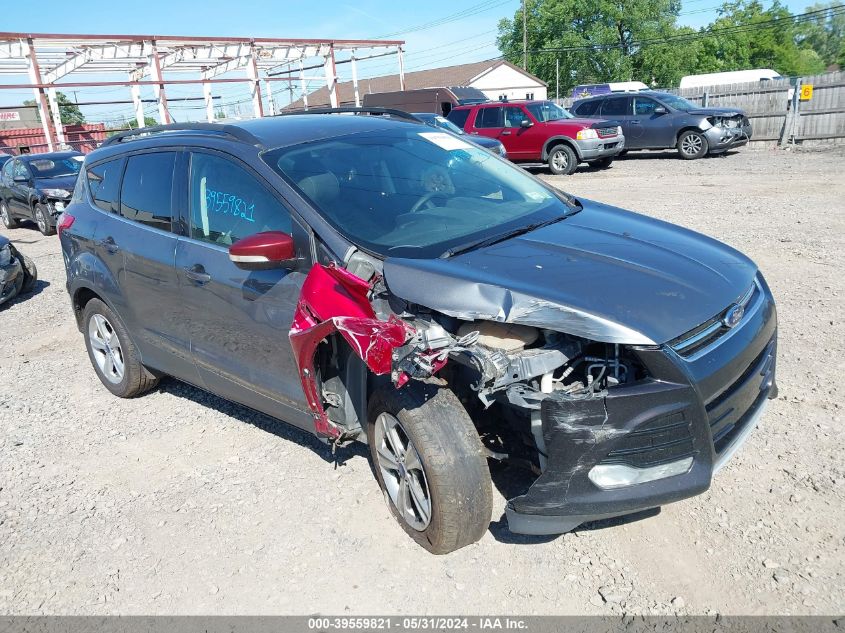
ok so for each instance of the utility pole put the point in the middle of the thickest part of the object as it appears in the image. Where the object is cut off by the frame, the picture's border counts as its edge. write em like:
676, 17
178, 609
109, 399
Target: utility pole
557, 79
524, 36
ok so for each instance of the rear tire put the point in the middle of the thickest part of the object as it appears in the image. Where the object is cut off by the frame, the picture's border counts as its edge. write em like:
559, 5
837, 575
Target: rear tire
422, 435
692, 145
42, 219
562, 160
8, 221
118, 366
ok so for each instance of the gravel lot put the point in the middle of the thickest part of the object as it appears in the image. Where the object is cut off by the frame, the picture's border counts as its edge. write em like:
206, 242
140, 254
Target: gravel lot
181, 503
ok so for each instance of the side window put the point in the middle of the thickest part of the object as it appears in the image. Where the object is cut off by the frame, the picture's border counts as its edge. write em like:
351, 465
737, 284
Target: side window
146, 195
104, 183
7, 170
588, 108
489, 117
228, 203
615, 106
458, 117
514, 116
20, 170
643, 106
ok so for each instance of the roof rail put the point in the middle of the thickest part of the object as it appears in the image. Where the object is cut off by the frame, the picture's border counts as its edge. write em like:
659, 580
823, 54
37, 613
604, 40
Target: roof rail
399, 114
232, 131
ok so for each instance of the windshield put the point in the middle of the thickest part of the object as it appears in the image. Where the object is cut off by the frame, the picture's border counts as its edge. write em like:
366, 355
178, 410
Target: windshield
447, 125
55, 168
547, 111
407, 192
678, 103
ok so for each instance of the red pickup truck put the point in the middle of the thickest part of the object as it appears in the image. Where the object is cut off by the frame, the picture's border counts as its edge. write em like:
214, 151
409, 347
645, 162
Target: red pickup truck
535, 131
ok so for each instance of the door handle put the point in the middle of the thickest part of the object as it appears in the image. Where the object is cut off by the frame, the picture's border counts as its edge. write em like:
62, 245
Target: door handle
197, 273
506, 133
109, 244
635, 122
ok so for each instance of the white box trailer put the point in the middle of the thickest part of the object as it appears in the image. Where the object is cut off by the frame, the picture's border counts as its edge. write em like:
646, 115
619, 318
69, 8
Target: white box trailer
732, 77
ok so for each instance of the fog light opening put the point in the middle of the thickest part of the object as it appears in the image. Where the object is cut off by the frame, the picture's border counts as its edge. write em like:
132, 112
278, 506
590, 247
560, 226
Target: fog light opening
609, 476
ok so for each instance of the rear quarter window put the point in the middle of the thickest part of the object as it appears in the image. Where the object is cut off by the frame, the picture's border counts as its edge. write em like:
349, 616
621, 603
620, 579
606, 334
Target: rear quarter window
459, 117
104, 183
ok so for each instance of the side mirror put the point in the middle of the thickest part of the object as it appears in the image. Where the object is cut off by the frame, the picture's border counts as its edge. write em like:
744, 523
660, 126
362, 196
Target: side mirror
263, 251
661, 110
525, 123
21, 179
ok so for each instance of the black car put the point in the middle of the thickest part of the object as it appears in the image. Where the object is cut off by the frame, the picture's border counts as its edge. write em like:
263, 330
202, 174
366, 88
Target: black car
435, 120
658, 120
37, 187
365, 279
17, 272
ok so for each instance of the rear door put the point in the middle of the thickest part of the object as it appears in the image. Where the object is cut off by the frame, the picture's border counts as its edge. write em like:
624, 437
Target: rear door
651, 129
490, 122
240, 320
619, 109
139, 245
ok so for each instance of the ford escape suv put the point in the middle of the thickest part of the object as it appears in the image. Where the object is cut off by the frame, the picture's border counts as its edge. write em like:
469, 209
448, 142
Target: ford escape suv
373, 279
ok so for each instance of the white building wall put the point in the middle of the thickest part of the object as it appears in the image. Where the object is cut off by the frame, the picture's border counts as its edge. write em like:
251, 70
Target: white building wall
510, 83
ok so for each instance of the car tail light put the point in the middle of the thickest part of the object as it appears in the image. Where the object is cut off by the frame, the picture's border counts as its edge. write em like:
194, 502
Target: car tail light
65, 222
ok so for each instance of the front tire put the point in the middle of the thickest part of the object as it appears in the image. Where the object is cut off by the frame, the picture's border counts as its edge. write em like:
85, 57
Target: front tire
42, 219
112, 353
562, 160
692, 145
8, 221
430, 464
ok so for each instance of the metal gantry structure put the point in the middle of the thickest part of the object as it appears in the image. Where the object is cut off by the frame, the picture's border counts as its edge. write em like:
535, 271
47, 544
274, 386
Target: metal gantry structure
54, 61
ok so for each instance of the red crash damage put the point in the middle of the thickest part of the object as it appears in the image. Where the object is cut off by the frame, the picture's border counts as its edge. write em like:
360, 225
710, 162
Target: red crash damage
334, 300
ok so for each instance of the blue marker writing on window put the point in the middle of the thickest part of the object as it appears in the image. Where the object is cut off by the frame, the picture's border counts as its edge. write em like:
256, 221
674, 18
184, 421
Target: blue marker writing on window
229, 204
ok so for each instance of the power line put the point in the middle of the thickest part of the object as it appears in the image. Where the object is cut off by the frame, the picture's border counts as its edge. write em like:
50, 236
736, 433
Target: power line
475, 9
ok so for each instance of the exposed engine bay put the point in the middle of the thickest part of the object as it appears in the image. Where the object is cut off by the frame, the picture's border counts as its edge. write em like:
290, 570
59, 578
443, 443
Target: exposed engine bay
501, 371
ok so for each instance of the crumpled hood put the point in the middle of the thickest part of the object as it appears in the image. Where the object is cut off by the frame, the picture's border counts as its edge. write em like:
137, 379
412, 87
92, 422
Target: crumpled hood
717, 112
61, 182
605, 274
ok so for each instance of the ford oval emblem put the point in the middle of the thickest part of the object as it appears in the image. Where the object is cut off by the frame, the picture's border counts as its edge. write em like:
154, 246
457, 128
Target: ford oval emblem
733, 315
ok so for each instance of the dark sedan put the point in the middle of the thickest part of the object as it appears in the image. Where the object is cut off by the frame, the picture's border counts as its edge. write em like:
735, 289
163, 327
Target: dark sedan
435, 120
658, 120
37, 187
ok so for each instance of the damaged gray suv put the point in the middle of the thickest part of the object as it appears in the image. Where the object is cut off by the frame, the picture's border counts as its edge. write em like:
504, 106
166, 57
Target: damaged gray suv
369, 278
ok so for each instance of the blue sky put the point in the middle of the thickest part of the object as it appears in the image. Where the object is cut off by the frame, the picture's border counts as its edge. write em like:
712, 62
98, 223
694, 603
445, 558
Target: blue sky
469, 36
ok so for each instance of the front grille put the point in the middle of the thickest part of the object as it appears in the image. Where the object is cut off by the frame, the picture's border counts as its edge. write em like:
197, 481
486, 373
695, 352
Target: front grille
664, 439
731, 409
606, 132
709, 332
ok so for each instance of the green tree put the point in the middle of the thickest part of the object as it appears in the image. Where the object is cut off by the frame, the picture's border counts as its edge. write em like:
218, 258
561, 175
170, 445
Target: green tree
70, 112
778, 46
825, 34
604, 35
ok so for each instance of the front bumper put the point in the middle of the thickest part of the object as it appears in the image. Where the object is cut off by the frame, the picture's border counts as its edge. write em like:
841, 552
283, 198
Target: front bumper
594, 149
11, 280
700, 408
721, 139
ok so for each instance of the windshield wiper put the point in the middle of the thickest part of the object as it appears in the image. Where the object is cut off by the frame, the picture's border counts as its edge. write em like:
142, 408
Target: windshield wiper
501, 237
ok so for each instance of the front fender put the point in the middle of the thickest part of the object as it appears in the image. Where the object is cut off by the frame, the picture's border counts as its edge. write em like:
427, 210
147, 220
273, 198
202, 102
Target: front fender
554, 140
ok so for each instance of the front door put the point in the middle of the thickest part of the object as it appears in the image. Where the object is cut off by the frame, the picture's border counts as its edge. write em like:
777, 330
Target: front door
19, 189
240, 320
652, 129
522, 143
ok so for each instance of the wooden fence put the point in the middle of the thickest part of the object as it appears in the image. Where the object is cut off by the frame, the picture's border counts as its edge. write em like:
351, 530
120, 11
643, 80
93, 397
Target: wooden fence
774, 107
